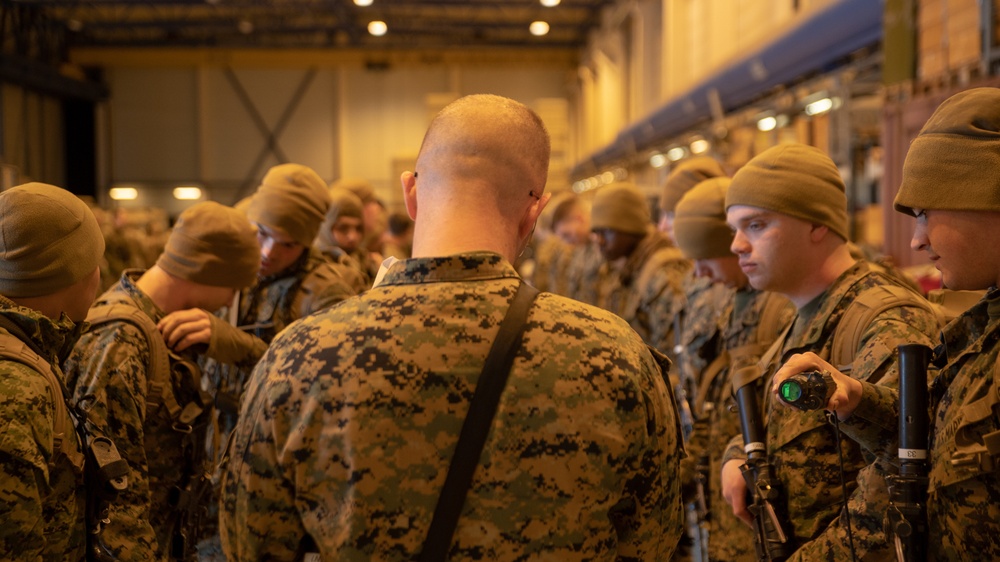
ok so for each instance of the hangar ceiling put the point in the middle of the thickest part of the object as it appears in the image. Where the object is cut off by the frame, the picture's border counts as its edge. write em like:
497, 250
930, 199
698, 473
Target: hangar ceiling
57, 26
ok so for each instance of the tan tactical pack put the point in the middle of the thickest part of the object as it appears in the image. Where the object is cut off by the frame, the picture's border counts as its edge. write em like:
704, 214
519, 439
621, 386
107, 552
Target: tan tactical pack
64, 434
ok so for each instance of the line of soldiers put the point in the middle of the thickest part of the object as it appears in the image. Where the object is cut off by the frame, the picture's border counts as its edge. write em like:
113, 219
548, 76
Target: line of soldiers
774, 278
157, 363
344, 409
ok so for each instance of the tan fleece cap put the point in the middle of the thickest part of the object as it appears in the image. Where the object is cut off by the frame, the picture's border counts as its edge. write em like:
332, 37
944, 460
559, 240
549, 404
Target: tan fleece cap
343, 203
360, 187
954, 163
685, 176
293, 198
796, 180
622, 207
700, 226
212, 245
49, 240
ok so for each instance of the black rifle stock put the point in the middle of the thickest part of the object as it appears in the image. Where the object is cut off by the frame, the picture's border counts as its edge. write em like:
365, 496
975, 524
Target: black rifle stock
771, 541
907, 516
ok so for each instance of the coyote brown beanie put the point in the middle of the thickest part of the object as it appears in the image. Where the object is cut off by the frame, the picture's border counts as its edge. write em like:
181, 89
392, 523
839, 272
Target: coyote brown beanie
293, 198
700, 221
360, 187
954, 163
796, 180
685, 176
49, 240
212, 245
620, 206
343, 203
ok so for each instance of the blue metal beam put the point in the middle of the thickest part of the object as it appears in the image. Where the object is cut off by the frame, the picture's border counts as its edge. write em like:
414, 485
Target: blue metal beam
818, 44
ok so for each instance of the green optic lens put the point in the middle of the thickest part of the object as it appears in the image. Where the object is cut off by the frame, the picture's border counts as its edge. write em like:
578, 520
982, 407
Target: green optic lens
790, 391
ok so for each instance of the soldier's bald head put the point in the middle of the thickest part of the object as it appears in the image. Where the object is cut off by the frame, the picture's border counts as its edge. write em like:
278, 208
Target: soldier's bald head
486, 139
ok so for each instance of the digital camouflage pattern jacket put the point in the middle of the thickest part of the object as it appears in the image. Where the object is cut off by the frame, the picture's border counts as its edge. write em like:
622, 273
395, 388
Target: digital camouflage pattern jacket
350, 420
802, 446
964, 456
42, 495
647, 290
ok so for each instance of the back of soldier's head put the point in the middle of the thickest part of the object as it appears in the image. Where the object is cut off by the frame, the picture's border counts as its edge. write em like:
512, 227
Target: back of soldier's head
484, 150
49, 240
291, 198
954, 163
793, 179
212, 245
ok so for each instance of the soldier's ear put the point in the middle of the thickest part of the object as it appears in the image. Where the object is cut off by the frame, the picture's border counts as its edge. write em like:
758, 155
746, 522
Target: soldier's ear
409, 182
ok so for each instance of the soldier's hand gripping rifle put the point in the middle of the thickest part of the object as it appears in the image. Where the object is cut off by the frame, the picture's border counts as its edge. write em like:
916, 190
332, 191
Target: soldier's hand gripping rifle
770, 540
906, 520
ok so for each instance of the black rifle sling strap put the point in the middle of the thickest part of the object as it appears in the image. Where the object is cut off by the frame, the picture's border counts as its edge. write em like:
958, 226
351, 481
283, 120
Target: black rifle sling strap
477, 426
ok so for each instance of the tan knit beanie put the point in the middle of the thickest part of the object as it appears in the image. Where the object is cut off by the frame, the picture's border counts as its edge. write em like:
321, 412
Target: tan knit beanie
49, 240
700, 226
546, 221
291, 197
622, 207
954, 163
360, 187
796, 180
213, 245
685, 176
343, 203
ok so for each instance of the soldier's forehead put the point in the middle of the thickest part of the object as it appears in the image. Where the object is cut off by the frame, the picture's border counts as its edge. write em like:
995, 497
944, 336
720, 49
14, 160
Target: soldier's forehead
274, 232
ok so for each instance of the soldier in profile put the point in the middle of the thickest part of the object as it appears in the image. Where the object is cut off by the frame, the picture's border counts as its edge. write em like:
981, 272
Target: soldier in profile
352, 417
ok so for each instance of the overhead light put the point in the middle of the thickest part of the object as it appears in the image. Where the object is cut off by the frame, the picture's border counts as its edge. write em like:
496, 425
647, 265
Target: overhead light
538, 28
362, 3
658, 160
377, 28
699, 146
819, 106
550, 3
766, 124
676, 153
123, 193
187, 193
608, 177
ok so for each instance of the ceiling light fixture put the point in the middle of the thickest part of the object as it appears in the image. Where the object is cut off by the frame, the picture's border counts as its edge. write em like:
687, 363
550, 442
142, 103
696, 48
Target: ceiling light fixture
187, 193
549, 3
123, 193
377, 28
538, 28
766, 124
819, 106
699, 146
362, 3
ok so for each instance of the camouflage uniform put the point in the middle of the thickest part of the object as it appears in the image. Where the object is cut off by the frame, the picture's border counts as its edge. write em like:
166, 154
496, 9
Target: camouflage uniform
802, 445
42, 495
964, 493
351, 418
108, 372
730, 540
583, 274
646, 290
357, 277
309, 285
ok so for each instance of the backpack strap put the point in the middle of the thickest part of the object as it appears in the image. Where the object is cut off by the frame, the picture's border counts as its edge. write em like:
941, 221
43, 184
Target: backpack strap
476, 426
861, 312
119, 307
63, 430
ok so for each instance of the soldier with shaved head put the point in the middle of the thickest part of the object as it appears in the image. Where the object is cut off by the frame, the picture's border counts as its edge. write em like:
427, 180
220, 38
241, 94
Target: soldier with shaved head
352, 417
